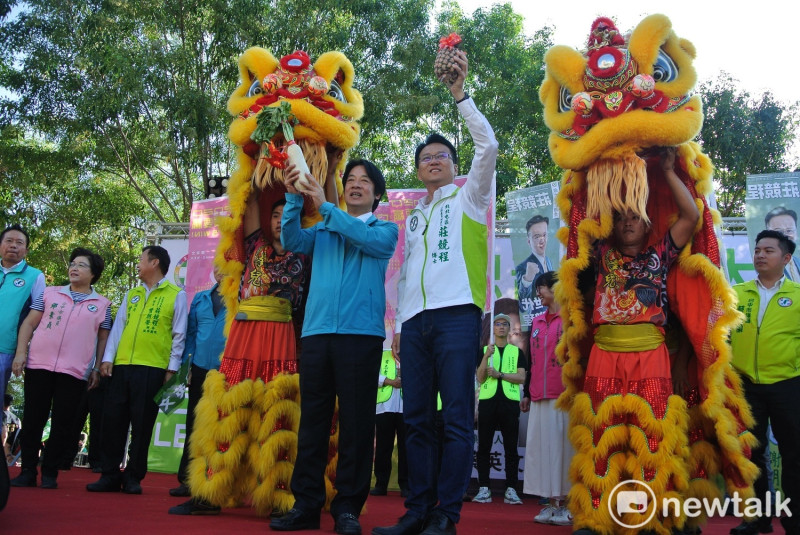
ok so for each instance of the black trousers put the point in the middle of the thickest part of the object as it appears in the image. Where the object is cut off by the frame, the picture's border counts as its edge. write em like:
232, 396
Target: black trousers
331, 366
500, 413
43, 389
387, 426
97, 405
129, 402
195, 393
777, 403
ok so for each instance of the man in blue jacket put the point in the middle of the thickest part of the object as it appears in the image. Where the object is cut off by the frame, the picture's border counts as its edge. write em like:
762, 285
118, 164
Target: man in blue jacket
205, 341
343, 335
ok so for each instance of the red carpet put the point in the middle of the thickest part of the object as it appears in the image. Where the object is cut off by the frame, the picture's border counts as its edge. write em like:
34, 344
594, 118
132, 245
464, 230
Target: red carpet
72, 510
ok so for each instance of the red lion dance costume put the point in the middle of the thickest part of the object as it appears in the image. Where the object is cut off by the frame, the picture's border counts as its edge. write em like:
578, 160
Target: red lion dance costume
621, 97
245, 440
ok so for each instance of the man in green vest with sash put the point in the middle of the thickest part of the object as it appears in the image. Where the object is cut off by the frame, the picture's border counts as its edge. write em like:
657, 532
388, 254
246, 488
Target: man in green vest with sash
500, 373
144, 351
388, 425
20, 284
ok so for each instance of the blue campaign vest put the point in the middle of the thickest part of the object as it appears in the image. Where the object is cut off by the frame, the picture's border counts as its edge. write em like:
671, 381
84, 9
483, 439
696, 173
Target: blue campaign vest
15, 294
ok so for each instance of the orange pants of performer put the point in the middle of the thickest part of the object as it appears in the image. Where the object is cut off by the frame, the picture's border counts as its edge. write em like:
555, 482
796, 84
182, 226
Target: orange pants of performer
259, 350
626, 425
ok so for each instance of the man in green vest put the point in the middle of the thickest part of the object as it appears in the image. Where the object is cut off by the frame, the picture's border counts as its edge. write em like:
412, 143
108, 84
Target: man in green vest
388, 425
766, 353
144, 351
20, 285
500, 373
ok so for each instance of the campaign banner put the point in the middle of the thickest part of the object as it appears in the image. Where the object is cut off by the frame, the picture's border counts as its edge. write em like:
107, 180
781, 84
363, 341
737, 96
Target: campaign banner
202, 244
178, 250
533, 218
169, 435
772, 202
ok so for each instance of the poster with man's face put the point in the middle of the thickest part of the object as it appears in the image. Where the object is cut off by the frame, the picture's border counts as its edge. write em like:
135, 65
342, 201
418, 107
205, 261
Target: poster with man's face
772, 202
533, 219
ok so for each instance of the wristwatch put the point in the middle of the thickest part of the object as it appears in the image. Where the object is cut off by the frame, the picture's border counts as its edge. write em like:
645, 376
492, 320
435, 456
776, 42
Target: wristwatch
502, 375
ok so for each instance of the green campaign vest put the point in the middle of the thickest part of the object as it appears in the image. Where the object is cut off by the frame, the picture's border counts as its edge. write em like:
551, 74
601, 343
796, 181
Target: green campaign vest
388, 370
507, 365
147, 337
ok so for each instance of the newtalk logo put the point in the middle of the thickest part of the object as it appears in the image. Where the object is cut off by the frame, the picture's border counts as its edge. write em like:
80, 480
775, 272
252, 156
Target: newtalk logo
632, 504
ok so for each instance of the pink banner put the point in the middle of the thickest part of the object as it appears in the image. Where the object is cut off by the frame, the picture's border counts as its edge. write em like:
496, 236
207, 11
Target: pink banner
203, 239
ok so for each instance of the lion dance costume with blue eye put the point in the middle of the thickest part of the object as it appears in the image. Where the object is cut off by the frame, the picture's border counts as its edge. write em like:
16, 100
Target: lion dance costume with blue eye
245, 439
607, 108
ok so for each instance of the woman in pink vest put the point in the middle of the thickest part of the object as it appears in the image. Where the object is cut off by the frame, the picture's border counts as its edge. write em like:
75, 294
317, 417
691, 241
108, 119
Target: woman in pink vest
69, 326
548, 451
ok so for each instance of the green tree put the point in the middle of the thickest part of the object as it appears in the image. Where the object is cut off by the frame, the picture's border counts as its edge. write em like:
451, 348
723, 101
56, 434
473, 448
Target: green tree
744, 135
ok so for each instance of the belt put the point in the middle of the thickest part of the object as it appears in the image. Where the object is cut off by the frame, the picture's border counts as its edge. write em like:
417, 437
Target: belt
628, 338
265, 308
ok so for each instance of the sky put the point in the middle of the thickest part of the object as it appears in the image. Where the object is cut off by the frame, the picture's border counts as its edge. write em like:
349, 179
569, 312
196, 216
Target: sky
755, 42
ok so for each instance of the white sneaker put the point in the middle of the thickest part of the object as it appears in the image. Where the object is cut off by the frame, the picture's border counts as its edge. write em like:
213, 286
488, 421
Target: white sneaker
562, 517
546, 515
483, 496
511, 497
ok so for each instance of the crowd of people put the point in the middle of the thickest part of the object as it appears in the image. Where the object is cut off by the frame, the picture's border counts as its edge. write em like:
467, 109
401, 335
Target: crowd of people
64, 341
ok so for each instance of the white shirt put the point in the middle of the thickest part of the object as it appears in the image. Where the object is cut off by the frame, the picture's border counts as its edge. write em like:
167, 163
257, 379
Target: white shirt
765, 296
179, 319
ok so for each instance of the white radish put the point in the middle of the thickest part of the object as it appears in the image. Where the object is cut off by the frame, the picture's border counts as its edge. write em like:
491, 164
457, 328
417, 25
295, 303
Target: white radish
297, 159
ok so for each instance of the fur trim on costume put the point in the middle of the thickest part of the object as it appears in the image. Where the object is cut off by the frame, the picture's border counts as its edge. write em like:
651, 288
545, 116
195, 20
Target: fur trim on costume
596, 116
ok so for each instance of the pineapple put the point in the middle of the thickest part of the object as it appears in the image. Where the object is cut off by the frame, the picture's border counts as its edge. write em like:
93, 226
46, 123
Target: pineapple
446, 57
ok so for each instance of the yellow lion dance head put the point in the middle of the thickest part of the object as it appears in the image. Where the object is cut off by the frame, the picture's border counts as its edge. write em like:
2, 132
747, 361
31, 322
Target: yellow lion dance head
607, 108
326, 109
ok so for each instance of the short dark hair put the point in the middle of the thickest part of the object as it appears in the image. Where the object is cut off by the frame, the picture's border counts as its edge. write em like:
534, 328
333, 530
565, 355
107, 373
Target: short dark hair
548, 278
374, 175
96, 262
156, 252
8, 399
431, 139
18, 228
780, 210
536, 219
279, 202
787, 246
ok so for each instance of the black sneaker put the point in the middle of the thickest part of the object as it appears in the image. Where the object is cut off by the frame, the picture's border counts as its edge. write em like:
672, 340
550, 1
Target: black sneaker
24, 479
195, 506
49, 482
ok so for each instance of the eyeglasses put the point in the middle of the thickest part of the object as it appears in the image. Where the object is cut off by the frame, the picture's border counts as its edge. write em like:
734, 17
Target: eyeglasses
437, 157
501, 324
83, 265
788, 232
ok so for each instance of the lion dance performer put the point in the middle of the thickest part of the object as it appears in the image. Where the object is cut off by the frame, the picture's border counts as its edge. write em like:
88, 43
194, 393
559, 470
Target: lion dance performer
610, 109
245, 438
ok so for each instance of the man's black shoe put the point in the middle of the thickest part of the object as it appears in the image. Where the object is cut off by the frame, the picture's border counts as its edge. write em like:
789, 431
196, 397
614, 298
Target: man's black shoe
439, 524
377, 490
406, 525
132, 487
195, 506
295, 520
24, 479
181, 491
49, 482
105, 484
347, 524
761, 525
